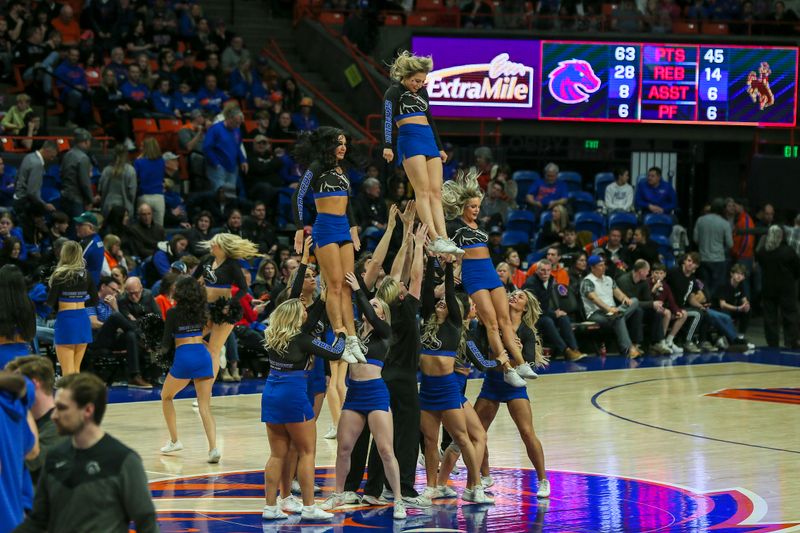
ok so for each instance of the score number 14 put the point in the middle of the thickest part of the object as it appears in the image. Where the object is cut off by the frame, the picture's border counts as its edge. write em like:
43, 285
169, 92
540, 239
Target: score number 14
713, 55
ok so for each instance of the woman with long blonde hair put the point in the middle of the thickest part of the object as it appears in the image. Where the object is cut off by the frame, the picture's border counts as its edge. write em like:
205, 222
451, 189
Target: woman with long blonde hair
71, 290
335, 232
524, 311
285, 407
220, 271
419, 148
462, 202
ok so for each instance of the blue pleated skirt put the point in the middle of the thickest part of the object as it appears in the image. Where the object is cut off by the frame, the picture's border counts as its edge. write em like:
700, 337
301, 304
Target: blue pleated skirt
316, 380
415, 139
330, 229
72, 327
479, 274
366, 396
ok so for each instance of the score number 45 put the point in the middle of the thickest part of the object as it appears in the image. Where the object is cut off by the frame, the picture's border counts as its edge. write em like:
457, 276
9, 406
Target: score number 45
713, 55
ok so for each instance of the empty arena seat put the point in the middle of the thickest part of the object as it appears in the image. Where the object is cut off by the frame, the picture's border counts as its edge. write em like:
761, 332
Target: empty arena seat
515, 238
573, 180
581, 201
601, 181
622, 220
392, 20
715, 28
659, 224
592, 222
429, 5
521, 220
524, 179
681, 26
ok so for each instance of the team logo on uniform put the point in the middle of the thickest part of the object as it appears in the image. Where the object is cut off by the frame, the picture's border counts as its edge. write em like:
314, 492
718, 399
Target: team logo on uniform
758, 86
573, 81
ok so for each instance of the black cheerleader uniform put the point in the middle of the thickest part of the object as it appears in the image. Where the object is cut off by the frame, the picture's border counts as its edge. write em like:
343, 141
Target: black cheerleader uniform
192, 361
476, 274
225, 276
412, 139
327, 228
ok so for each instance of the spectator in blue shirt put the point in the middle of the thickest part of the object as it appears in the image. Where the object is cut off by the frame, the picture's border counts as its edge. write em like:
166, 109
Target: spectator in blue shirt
150, 168
74, 94
135, 92
655, 195
211, 98
163, 102
112, 329
184, 101
548, 193
168, 252
224, 152
305, 119
93, 250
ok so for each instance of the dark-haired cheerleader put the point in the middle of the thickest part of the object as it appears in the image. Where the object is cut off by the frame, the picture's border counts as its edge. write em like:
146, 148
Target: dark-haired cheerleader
17, 315
183, 332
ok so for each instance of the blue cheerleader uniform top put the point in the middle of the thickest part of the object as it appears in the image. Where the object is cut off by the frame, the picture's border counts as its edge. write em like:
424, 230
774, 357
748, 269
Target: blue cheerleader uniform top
400, 103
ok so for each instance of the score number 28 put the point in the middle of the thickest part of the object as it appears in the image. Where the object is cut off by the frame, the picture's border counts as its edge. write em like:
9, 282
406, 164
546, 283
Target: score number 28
622, 72
713, 56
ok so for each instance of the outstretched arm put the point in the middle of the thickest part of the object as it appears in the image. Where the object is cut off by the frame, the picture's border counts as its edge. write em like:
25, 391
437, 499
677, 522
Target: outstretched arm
379, 255
415, 286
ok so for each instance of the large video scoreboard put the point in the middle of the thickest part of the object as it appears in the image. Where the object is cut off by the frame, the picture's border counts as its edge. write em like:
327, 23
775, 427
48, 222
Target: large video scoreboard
611, 81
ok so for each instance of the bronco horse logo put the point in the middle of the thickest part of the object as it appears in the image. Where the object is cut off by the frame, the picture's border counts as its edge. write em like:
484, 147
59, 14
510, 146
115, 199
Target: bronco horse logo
573, 81
758, 86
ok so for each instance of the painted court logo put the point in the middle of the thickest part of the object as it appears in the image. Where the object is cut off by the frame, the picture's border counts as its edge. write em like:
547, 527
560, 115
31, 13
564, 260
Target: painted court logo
572, 81
580, 501
499, 83
784, 395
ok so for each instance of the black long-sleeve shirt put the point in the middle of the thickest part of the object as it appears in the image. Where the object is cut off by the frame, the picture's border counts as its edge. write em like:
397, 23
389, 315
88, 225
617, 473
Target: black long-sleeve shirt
78, 288
226, 275
400, 103
323, 183
379, 339
304, 345
449, 335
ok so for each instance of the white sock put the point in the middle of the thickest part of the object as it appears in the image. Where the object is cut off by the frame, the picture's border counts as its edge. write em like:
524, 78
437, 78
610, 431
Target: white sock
670, 339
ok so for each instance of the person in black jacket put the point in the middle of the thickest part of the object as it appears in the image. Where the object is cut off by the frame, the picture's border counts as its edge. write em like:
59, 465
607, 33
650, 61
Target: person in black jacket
780, 267
641, 248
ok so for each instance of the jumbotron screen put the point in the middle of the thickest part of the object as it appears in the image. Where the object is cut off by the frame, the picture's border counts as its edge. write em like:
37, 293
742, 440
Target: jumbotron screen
611, 81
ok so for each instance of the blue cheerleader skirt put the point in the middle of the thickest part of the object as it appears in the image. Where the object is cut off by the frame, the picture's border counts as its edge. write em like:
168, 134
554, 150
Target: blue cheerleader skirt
462, 383
479, 274
285, 400
496, 390
192, 361
11, 351
330, 229
366, 396
415, 139
440, 393
316, 380
72, 327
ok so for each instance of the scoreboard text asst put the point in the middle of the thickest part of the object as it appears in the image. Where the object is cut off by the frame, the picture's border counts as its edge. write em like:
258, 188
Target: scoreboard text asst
611, 82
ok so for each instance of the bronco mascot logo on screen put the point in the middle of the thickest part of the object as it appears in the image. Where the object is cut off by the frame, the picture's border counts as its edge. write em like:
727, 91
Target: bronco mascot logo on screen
499, 83
573, 81
758, 86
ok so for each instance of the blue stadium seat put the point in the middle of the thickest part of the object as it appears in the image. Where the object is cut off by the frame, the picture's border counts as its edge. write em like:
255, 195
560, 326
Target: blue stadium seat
622, 220
573, 180
601, 181
545, 218
521, 220
515, 238
659, 224
665, 249
50, 194
534, 257
581, 201
54, 171
592, 222
524, 179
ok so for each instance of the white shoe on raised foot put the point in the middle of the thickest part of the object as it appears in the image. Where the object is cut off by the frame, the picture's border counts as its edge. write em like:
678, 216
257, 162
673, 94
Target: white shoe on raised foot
352, 344
445, 491
511, 377
330, 435
273, 512
476, 495
334, 500
525, 371
440, 245
399, 512
544, 489
312, 512
171, 447
290, 505
214, 456
487, 481
349, 354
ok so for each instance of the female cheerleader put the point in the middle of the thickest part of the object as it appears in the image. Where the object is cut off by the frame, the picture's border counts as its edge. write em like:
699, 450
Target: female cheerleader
419, 148
334, 232
368, 400
17, 315
71, 289
468, 354
219, 272
525, 311
183, 331
440, 395
284, 402
462, 203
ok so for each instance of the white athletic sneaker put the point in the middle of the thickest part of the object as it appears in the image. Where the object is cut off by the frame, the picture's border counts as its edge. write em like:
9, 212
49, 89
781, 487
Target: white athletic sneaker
487, 481
351, 498
352, 344
675, 348
387, 495
172, 447
214, 456
511, 377
525, 371
349, 355
458, 251
312, 512
445, 491
476, 495
295, 487
331, 434
290, 505
440, 245
332, 502
421, 459
420, 502
544, 489
272, 512
195, 404
430, 493
722, 343
399, 512
372, 500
